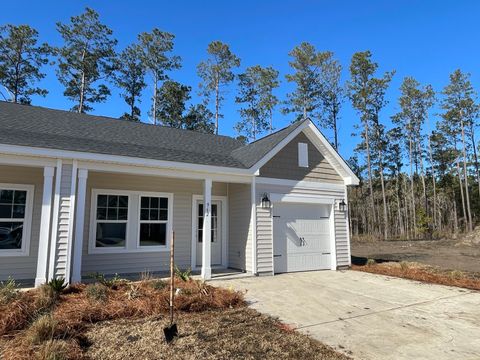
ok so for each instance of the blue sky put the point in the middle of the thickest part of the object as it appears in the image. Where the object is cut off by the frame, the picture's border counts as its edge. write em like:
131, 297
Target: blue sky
424, 39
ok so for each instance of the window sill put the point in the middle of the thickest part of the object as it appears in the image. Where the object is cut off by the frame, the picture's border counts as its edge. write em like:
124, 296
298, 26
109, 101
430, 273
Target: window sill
13, 253
144, 249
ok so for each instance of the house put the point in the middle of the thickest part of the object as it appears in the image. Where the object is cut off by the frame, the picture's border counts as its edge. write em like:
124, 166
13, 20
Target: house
81, 194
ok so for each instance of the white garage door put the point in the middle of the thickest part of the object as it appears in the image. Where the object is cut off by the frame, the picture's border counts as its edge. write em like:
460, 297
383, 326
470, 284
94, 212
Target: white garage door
301, 237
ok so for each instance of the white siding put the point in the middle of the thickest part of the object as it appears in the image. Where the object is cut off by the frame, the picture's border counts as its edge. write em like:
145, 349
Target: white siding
239, 246
63, 221
24, 267
265, 226
182, 223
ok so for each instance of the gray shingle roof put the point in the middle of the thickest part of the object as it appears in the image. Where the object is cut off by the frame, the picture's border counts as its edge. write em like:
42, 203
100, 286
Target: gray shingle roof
56, 129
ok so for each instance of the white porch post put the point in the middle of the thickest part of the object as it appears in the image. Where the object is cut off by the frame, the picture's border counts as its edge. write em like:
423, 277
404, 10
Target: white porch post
254, 225
54, 230
41, 276
207, 227
79, 225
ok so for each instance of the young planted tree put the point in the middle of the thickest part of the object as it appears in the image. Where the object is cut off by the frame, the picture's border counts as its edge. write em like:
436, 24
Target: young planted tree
216, 73
85, 60
305, 101
21, 59
199, 118
460, 110
332, 95
158, 60
256, 96
171, 103
130, 78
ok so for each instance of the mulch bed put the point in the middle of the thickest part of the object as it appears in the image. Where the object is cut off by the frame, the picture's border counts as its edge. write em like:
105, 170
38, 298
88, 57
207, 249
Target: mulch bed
424, 273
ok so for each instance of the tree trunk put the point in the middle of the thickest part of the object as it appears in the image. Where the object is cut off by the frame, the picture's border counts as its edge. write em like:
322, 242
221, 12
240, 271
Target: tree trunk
412, 190
154, 104
335, 131
461, 192
433, 183
475, 157
369, 165
82, 86
465, 174
217, 104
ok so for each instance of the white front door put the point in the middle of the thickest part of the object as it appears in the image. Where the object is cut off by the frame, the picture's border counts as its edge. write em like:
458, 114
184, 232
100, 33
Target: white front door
301, 237
216, 248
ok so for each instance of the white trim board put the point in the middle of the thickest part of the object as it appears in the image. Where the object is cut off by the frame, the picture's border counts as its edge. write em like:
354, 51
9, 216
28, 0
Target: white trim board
307, 185
224, 212
301, 198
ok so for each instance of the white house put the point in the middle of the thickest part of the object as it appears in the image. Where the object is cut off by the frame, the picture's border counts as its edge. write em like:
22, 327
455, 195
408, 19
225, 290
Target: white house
81, 194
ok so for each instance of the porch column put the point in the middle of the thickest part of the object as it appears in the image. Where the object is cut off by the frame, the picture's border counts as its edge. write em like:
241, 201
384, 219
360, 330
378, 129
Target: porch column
79, 226
207, 227
54, 230
41, 276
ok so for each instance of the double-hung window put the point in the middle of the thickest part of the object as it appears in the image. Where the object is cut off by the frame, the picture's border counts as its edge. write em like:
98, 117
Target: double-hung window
15, 217
111, 221
130, 221
153, 221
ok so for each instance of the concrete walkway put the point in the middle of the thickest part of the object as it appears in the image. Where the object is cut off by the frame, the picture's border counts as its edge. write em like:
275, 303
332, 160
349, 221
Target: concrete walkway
371, 316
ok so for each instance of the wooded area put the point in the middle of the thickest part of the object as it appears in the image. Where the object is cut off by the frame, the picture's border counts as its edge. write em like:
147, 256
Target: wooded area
419, 172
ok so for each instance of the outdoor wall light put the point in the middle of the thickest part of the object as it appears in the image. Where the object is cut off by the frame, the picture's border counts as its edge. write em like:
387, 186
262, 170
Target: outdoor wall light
265, 201
342, 206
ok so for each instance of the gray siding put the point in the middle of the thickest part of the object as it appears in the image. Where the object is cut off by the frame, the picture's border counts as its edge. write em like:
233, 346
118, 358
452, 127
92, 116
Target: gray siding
24, 267
265, 226
182, 223
239, 245
284, 165
63, 222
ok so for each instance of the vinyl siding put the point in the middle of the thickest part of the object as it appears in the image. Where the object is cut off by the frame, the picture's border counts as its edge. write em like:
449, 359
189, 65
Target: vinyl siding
265, 226
239, 246
24, 267
63, 221
284, 165
182, 223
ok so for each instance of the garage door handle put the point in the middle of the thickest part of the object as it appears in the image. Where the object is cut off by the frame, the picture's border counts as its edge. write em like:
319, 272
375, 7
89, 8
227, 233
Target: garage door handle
302, 241
277, 255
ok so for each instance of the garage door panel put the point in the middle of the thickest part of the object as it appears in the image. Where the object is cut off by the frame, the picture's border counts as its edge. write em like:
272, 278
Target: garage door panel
301, 237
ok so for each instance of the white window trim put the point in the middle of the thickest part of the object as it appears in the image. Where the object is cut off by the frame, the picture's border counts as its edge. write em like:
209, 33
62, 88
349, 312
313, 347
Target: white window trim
303, 155
27, 220
132, 241
165, 247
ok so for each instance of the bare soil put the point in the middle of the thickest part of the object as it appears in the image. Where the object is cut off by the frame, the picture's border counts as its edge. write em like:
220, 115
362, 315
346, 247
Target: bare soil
229, 334
445, 254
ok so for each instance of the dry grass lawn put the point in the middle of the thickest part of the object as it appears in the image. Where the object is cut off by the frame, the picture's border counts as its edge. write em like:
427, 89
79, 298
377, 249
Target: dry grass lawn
231, 334
424, 273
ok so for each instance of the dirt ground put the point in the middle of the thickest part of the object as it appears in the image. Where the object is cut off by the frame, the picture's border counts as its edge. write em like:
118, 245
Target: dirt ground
232, 334
446, 254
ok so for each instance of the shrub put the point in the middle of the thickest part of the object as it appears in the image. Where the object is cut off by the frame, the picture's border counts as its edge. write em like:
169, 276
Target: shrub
134, 292
8, 291
57, 285
456, 274
42, 329
371, 262
46, 298
158, 284
185, 275
96, 292
110, 283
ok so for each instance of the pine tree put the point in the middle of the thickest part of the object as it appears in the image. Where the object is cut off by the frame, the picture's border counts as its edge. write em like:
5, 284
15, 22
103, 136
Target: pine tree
130, 78
85, 60
199, 118
171, 103
157, 47
21, 60
216, 73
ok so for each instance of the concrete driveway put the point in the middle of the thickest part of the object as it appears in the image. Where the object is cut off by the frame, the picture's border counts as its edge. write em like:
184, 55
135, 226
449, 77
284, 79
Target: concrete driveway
371, 316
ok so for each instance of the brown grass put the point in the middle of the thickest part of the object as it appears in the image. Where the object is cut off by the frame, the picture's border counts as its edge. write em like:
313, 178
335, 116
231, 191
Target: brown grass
33, 319
234, 334
424, 273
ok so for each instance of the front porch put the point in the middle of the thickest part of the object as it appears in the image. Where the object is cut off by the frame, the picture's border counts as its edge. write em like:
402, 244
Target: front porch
89, 217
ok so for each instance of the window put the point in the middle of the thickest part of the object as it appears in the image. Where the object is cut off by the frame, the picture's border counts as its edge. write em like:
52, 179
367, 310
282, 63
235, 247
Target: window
15, 215
303, 155
153, 221
111, 221
214, 222
126, 221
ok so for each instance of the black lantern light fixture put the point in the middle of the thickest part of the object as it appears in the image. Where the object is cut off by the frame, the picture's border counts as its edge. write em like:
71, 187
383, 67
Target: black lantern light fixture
342, 206
265, 201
